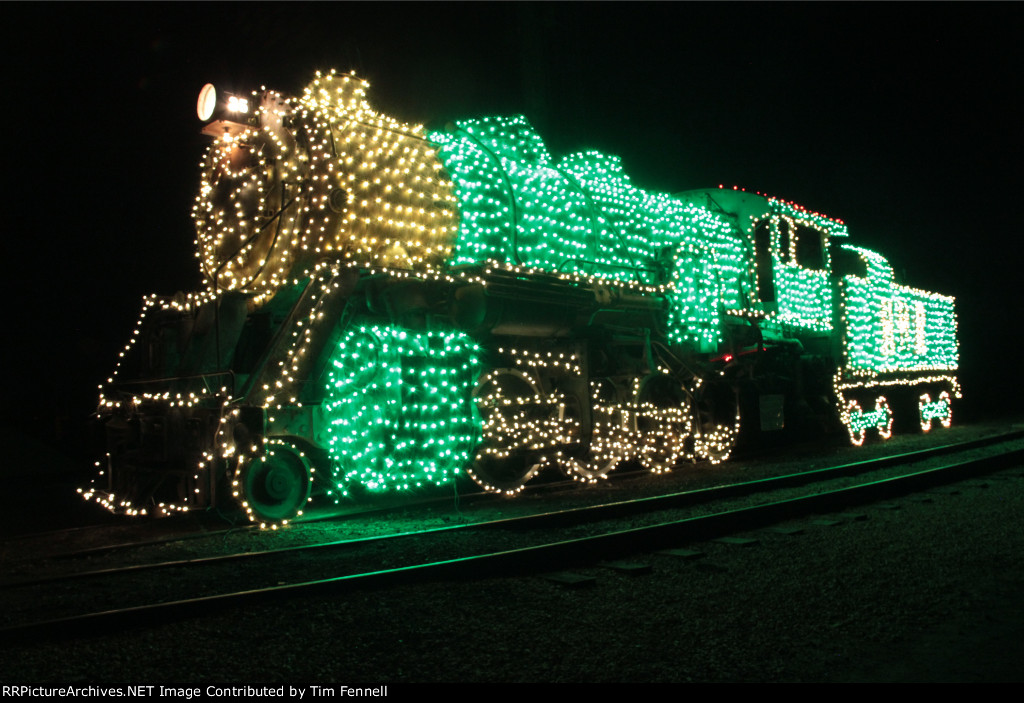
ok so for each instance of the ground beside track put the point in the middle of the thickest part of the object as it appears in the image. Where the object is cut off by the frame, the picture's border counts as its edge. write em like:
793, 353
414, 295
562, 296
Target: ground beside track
931, 591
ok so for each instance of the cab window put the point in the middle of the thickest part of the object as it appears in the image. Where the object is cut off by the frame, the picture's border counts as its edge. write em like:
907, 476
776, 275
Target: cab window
810, 251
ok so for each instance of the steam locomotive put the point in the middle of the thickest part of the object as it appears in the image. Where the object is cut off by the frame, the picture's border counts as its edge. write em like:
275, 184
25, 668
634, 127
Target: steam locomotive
388, 307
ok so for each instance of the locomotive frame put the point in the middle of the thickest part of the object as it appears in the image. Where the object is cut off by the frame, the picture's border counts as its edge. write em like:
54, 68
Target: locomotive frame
387, 308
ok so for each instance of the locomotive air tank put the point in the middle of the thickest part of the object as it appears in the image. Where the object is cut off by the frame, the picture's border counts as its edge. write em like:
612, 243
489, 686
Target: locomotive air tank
386, 307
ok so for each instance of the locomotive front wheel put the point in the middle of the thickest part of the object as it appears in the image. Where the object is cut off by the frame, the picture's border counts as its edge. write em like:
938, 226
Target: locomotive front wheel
277, 486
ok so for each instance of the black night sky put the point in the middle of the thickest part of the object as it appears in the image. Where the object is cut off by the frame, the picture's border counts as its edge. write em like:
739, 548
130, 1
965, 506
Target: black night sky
904, 120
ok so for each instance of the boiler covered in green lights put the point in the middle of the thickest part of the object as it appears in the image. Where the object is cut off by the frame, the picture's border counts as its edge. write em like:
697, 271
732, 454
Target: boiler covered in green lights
388, 308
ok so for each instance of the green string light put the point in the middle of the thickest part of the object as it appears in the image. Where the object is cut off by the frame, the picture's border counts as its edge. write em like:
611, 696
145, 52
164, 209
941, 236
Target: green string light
941, 410
399, 409
584, 217
893, 328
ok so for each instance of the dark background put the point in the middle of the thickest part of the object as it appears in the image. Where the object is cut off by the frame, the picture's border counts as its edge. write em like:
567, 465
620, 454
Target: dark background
903, 120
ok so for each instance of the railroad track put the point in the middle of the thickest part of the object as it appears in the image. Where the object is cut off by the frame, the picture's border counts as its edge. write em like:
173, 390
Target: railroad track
527, 544
555, 519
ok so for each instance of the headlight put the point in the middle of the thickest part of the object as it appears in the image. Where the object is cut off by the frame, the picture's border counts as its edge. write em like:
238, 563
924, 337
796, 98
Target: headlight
207, 101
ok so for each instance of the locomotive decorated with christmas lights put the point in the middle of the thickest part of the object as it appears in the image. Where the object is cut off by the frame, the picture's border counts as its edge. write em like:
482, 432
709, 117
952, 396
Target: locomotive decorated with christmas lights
388, 307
